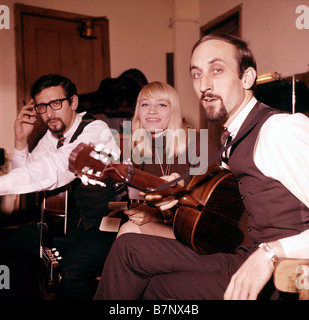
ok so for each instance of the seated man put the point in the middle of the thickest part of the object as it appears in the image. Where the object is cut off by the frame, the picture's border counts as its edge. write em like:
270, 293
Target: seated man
54, 99
271, 164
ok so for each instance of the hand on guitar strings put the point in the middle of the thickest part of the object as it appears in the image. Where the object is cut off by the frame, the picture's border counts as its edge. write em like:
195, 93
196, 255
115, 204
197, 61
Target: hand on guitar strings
167, 202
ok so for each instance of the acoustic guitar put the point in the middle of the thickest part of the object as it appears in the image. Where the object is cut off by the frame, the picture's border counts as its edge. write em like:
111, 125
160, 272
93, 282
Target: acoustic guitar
54, 219
209, 209
50, 210
215, 228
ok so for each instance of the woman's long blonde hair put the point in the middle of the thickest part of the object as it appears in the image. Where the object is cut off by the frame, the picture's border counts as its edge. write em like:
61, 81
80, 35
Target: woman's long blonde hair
160, 90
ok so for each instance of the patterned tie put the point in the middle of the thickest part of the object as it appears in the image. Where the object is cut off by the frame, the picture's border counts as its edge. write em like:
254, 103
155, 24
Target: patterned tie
60, 141
225, 139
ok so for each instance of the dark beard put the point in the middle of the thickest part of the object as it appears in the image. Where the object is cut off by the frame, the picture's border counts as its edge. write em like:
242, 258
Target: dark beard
210, 114
216, 118
62, 128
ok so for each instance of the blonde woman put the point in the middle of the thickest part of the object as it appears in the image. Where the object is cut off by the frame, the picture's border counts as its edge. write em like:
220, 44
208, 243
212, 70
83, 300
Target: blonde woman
159, 146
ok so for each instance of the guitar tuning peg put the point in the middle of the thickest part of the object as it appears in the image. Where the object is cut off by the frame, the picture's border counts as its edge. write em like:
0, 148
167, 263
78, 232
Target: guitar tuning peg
84, 179
55, 252
112, 155
105, 159
99, 147
92, 182
100, 183
96, 182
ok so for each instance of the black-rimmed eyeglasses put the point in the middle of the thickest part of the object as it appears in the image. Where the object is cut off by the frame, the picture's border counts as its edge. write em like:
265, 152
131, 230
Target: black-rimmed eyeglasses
54, 104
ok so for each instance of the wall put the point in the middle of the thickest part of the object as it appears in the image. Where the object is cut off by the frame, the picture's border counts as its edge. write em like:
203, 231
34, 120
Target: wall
269, 27
141, 33
185, 28
140, 37
7, 84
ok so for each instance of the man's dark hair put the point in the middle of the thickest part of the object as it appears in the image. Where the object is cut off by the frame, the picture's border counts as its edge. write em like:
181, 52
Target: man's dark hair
53, 80
244, 55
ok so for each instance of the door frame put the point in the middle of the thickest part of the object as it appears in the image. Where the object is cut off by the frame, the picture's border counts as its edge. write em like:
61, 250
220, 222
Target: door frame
222, 20
20, 10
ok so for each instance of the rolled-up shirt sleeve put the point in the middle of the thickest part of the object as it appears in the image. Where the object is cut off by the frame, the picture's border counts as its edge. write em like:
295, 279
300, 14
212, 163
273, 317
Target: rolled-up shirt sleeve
20, 158
282, 153
297, 246
47, 168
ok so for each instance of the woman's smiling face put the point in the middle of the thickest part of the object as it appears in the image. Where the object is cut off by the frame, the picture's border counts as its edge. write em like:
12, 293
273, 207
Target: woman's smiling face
154, 114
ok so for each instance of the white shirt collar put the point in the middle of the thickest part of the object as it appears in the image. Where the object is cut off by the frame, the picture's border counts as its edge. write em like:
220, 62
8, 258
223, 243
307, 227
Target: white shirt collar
75, 125
237, 122
68, 135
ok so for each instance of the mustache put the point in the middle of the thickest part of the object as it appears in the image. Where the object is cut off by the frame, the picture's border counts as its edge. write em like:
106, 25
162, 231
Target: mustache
210, 95
52, 119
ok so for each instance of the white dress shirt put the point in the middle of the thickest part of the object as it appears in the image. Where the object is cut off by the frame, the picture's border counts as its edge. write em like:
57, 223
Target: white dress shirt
282, 153
46, 167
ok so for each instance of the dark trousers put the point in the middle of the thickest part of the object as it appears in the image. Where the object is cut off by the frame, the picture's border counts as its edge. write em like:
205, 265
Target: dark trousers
151, 267
20, 251
83, 261
83, 256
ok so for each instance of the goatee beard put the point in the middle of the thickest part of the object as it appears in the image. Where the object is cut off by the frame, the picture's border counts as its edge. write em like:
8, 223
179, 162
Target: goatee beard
210, 112
59, 130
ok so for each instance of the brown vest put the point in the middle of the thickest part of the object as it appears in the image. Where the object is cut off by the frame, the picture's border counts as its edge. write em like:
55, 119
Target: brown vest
273, 212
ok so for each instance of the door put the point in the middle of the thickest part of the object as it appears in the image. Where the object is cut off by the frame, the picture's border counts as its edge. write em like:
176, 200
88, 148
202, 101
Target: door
49, 41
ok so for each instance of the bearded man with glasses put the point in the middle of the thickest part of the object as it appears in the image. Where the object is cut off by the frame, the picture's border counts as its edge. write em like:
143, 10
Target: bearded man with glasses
84, 248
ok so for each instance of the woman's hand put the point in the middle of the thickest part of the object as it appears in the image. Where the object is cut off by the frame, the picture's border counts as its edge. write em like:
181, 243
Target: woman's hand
167, 202
140, 213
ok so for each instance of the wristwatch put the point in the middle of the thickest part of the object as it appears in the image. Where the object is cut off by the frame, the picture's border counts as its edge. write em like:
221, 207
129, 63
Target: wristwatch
271, 254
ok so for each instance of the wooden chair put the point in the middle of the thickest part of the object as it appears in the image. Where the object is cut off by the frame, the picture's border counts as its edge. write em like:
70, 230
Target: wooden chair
292, 275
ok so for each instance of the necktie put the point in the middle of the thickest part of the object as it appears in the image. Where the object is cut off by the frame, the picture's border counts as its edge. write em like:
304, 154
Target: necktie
60, 141
225, 139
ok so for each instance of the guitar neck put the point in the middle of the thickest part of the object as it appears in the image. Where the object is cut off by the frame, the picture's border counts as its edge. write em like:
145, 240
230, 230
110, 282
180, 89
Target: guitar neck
83, 162
142, 180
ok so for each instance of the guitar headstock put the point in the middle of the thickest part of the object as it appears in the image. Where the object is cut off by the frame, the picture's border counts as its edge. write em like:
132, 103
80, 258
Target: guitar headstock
51, 258
88, 162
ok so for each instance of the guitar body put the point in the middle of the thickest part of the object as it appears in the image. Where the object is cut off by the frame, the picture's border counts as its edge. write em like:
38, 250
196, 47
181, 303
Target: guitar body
210, 208
215, 227
55, 210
